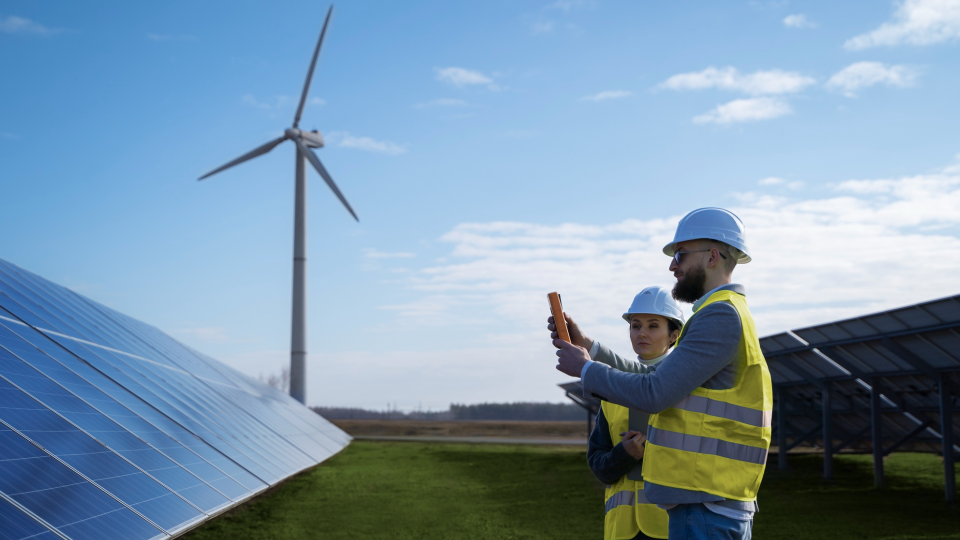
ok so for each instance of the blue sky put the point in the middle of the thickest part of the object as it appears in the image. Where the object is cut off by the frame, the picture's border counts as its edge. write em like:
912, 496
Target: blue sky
494, 151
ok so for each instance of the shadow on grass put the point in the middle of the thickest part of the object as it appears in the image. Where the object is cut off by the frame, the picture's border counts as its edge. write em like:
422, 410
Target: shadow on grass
799, 503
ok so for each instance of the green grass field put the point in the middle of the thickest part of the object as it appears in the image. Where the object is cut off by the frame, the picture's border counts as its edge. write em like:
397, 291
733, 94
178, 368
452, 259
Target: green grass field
403, 491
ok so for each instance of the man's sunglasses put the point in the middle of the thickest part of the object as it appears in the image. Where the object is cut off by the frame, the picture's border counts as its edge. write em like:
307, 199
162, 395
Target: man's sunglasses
678, 256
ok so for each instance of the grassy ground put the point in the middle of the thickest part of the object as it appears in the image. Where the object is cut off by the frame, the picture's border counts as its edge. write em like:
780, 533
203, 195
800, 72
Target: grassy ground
475, 428
403, 491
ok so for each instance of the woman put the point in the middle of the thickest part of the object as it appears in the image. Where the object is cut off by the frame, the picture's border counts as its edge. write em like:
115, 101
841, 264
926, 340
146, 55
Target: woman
615, 451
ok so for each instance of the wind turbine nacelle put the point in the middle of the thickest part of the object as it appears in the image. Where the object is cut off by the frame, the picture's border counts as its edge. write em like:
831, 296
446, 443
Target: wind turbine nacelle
313, 139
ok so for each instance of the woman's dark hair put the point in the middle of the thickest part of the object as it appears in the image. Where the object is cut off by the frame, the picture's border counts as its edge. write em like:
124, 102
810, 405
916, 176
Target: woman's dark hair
671, 326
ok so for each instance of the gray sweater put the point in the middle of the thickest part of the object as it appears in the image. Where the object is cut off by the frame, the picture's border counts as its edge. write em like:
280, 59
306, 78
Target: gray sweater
705, 357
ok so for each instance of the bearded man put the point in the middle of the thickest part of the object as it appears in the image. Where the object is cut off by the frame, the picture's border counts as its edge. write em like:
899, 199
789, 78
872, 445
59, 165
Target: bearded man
710, 401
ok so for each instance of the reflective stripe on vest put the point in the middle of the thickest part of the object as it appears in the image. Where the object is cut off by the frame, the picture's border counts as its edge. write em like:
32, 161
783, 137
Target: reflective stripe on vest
627, 510
626, 498
722, 409
716, 441
707, 445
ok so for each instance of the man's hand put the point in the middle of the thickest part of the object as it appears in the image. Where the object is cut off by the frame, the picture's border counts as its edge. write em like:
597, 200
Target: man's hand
633, 443
576, 336
570, 358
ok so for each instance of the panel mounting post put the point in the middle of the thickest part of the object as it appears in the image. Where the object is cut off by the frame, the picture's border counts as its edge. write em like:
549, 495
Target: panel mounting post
827, 404
946, 432
781, 429
876, 424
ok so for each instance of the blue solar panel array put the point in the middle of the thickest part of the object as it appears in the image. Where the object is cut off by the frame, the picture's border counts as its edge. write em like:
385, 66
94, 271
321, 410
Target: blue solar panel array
110, 428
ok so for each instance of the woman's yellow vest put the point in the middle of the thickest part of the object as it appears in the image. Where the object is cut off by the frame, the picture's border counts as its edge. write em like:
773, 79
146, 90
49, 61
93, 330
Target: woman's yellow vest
627, 510
716, 441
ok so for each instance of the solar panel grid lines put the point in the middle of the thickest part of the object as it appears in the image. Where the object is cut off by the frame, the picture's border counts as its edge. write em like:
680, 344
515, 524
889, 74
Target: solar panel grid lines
161, 431
19, 523
106, 403
115, 436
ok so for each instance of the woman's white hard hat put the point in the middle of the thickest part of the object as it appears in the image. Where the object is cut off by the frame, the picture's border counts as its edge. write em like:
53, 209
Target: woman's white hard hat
712, 224
655, 301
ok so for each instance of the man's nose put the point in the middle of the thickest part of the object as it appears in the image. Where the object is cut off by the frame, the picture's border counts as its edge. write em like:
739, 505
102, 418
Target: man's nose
673, 265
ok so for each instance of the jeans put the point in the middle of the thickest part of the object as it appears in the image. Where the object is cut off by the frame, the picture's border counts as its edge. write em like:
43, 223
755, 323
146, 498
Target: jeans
695, 522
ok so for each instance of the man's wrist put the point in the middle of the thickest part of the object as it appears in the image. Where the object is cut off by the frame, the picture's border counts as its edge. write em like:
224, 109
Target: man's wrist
583, 370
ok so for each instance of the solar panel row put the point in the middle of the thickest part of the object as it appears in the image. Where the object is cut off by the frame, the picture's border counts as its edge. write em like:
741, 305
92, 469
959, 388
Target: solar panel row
109, 428
877, 383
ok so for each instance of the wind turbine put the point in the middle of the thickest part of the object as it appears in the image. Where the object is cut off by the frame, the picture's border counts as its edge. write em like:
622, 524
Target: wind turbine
304, 141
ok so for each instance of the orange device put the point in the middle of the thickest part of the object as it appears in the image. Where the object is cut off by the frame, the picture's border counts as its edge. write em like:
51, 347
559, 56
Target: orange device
557, 308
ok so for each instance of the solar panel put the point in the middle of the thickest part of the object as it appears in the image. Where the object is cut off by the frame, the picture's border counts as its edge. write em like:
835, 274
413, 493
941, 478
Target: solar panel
879, 382
110, 428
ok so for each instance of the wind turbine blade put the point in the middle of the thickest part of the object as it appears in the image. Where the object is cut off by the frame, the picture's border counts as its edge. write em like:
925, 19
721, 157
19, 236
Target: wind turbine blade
315, 161
259, 151
313, 64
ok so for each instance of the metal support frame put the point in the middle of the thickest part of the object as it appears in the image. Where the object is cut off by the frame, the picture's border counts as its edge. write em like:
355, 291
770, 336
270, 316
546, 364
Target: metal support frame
827, 403
781, 429
796, 442
876, 425
916, 431
946, 432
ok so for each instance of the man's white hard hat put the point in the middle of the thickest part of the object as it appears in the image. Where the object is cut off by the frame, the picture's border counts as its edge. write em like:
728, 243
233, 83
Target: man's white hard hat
655, 301
712, 224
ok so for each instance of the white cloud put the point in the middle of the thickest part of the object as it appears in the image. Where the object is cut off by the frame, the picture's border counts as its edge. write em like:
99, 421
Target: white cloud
745, 110
798, 20
757, 83
520, 133
204, 333
864, 74
915, 22
607, 95
11, 24
346, 140
317, 101
542, 27
461, 77
8, 135
171, 37
775, 181
863, 248
442, 102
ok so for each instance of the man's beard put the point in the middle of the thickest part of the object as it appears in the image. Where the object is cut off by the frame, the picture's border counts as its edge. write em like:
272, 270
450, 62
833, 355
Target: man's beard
690, 288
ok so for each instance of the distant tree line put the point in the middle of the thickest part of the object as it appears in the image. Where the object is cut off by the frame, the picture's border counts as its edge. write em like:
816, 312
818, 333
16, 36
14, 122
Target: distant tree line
483, 411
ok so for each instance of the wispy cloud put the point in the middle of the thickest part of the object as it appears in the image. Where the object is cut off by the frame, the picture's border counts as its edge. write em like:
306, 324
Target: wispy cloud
442, 102
607, 95
11, 24
461, 77
8, 135
915, 22
205, 333
776, 181
745, 110
757, 83
542, 27
171, 37
346, 140
864, 74
887, 224
798, 20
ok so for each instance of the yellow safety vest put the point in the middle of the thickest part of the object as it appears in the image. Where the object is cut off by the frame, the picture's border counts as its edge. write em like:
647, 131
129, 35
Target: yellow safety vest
716, 441
627, 510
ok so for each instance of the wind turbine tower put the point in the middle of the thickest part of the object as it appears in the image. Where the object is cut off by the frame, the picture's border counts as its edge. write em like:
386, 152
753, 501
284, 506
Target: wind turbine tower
304, 141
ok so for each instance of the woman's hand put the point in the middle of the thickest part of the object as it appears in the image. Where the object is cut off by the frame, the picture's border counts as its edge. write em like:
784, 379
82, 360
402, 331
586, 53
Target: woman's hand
633, 443
576, 336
